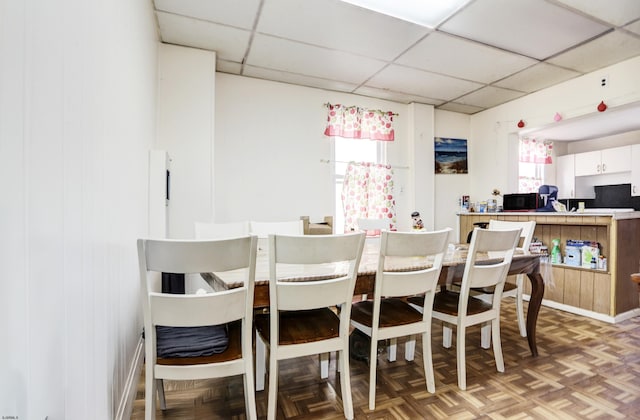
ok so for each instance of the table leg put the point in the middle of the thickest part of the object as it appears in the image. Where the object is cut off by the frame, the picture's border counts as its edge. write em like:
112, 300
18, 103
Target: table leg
537, 292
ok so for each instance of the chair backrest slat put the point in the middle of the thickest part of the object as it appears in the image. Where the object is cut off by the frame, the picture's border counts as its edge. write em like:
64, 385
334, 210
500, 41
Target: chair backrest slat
500, 244
427, 247
308, 251
195, 256
221, 230
192, 311
264, 229
528, 228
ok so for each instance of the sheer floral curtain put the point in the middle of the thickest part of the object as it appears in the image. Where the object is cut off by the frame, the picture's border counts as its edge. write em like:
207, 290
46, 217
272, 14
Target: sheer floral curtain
534, 154
359, 123
368, 193
536, 151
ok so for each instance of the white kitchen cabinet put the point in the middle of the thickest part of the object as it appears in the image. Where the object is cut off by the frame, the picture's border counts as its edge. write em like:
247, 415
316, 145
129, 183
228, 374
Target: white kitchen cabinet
635, 170
606, 161
565, 176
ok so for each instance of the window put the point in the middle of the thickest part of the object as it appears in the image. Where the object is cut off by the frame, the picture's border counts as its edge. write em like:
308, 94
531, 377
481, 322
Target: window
345, 151
535, 156
530, 176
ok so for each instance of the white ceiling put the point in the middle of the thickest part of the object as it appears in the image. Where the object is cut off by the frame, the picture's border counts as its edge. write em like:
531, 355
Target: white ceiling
482, 54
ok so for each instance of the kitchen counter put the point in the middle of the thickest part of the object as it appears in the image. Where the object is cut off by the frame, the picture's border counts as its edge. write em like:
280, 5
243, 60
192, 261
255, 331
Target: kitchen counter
614, 213
605, 294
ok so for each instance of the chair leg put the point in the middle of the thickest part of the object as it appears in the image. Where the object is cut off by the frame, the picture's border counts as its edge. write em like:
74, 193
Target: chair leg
485, 335
520, 305
497, 344
373, 364
427, 361
150, 394
249, 390
345, 384
410, 348
461, 361
272, 403
446, 335
261, 361
324, 365
392, 349
161, 397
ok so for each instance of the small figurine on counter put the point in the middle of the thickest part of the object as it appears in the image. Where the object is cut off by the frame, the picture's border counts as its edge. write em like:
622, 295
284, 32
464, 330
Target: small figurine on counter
417, 221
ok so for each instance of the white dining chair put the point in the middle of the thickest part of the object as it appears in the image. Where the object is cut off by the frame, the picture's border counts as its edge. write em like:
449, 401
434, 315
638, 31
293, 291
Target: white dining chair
510, 289
197, 336
388, 315
264, 229
303, 317
373, 227
221, 230
460, 310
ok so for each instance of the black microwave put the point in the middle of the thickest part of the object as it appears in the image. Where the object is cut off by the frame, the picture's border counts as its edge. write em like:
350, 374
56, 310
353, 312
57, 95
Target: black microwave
520, 202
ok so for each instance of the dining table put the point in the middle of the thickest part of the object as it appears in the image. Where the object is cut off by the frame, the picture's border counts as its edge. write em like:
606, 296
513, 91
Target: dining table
452, 270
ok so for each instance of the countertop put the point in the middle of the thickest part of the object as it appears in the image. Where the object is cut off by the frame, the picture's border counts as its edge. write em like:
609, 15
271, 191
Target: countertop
616, 214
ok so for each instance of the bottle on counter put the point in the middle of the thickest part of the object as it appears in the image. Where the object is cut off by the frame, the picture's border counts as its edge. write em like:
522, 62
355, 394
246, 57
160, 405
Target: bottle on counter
594, 265
556, 256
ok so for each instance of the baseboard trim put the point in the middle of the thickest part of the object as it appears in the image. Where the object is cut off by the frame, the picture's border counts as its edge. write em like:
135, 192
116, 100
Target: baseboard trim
590, 314
125, 407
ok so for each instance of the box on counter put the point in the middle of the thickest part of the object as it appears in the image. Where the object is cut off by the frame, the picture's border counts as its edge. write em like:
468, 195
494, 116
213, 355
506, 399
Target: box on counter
535, 247
573, 256
589, 252
580, 253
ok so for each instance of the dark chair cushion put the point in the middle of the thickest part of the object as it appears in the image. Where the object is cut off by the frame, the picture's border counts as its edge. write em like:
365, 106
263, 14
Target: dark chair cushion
207, 340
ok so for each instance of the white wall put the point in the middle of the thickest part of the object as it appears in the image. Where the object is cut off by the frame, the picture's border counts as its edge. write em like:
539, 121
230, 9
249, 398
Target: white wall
77, 117
450, 187
494, 132
269, 146
186, 116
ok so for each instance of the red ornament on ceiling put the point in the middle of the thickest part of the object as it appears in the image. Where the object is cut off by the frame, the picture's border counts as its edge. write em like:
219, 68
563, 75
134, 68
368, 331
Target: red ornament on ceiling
520, 124
602, 106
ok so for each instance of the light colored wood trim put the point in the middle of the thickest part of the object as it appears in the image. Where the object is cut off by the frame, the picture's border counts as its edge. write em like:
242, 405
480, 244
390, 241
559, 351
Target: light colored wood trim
611, 265
125, 406
602, 293
586, 290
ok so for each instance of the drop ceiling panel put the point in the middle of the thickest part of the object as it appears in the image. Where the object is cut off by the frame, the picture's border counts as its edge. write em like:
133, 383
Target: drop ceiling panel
534, 28
340, 26
634, 27
422, 83
228, 66
616, 12
339, 46
220, 11
280, 54
229, 43
489, 96
538, 77
462, 108
396, 96
297, 79
604, 51
471, 61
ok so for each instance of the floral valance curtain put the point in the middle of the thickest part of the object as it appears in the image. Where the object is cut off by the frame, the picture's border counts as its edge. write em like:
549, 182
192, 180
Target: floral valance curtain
367, 192
359, 123
535, 151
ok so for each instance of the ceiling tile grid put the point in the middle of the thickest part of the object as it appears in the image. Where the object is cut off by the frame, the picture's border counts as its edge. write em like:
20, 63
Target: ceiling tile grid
480, 54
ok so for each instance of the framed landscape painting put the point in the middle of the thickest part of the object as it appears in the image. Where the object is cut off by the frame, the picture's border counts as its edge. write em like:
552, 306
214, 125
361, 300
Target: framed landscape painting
450, 155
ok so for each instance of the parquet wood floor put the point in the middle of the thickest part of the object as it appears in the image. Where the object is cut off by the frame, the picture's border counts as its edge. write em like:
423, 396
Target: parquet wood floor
586, 369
